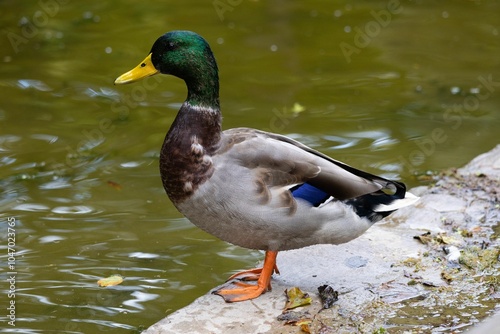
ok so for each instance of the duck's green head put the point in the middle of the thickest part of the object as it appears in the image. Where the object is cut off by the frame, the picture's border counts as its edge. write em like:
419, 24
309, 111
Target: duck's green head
183, 54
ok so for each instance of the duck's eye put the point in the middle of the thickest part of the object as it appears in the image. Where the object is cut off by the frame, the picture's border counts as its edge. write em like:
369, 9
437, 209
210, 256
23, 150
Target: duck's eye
172, 46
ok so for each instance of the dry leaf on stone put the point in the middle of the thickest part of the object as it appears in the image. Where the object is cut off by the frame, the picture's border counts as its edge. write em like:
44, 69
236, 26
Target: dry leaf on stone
424, 238
304, 326
296, 298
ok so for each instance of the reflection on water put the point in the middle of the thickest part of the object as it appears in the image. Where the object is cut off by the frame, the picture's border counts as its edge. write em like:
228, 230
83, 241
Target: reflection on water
79, 157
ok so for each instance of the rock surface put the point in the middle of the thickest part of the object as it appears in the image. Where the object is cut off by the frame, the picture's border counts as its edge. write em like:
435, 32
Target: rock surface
430, 267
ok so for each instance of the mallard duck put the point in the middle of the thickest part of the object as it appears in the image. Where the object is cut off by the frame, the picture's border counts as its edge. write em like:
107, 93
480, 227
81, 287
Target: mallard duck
252, 188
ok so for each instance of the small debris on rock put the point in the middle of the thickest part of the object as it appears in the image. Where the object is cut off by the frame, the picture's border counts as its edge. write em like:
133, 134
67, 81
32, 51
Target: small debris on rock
453, 254
328, 295
292, 317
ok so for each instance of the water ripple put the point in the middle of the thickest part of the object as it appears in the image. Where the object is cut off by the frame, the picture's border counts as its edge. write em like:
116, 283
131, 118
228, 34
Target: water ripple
102, 92
35, 84
56, 184
76, 210
139, 298
31, 207
131, 164
141, 255
105, 323
48, 138
5, 140
384, 143
41, 299
369, 134
342, 142
50, 238
4, 161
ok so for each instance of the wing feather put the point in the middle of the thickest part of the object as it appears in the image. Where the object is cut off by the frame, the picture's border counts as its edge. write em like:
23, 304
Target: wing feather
279, 161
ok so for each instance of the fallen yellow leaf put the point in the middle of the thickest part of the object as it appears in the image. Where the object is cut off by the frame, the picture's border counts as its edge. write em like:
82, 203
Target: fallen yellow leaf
110, 281
448, 240
296, 298
304, 326
298, 108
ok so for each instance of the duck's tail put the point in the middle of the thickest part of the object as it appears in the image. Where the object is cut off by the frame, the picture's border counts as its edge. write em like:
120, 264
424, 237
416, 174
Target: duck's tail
409, 199
379, 204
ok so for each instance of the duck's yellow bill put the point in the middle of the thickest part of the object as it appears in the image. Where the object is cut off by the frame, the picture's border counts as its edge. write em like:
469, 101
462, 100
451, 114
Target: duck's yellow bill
143, 70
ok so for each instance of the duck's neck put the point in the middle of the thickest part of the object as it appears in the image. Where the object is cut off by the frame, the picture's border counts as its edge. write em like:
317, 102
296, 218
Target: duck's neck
196, 123
204, 92
200, 114
202, 81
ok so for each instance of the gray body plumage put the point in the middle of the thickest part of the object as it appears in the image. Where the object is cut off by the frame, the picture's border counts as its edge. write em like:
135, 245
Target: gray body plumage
247, 199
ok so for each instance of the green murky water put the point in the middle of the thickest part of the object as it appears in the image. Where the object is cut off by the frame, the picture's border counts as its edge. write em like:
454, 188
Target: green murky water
396, 88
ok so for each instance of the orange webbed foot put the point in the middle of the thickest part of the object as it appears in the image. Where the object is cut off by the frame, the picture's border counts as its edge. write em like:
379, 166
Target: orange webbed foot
235, 291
